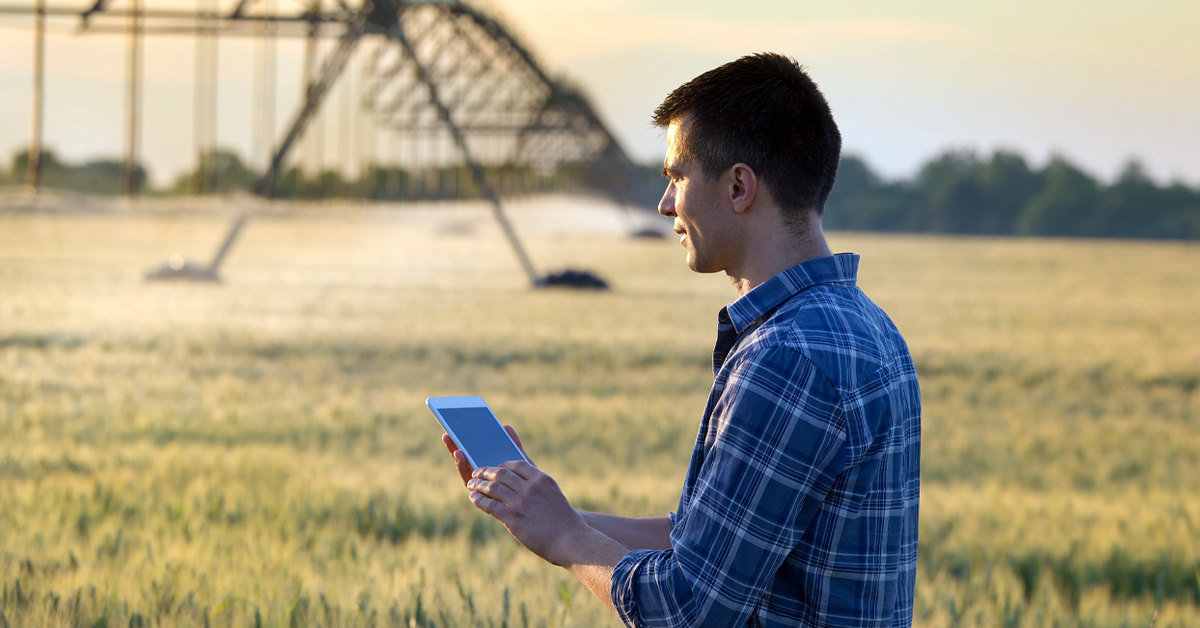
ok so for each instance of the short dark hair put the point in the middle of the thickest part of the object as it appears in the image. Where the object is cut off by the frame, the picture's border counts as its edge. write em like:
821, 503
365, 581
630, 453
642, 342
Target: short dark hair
764, 111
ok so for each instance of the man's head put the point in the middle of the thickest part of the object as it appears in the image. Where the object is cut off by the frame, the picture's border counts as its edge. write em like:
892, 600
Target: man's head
763, 111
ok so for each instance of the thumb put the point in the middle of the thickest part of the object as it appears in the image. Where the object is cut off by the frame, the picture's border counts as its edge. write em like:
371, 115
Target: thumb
517, 439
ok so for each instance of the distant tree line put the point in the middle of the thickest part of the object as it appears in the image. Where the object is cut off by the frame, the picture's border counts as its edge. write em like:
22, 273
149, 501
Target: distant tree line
224, 172
963, 193
957, 192
98, 176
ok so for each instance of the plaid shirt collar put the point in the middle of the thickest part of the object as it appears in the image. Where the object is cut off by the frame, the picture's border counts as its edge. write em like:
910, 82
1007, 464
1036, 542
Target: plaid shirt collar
762, 300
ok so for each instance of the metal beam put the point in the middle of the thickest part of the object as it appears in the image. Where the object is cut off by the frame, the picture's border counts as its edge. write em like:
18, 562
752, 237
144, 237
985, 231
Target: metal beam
134, 102
477, 173
33, 163
333, 67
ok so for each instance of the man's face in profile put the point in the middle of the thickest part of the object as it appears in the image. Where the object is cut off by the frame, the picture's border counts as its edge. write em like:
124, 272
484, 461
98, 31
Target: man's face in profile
695, 203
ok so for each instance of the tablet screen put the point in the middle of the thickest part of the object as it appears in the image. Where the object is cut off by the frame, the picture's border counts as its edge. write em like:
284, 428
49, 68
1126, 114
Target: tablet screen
481, 435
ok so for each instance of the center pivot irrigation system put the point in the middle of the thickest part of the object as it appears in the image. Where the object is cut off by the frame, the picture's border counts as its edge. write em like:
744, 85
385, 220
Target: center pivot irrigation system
447, 79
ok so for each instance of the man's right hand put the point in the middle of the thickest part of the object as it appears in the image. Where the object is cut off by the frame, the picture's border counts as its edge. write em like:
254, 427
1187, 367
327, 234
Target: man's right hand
650, 533
460, 459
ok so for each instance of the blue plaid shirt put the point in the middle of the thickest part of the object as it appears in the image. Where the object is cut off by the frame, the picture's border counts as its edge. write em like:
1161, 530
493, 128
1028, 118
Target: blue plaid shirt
800, 503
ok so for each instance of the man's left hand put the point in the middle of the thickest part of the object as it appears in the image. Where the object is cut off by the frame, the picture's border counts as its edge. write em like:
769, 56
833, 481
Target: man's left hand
532, 507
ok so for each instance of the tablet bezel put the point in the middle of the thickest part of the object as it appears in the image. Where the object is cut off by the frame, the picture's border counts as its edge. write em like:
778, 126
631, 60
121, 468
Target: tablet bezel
437, 403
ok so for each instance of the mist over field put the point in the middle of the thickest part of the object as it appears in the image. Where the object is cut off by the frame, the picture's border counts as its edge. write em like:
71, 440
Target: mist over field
258, 451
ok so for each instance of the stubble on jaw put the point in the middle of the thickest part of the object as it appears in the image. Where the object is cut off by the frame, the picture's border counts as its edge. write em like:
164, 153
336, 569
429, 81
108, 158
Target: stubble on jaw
696, 203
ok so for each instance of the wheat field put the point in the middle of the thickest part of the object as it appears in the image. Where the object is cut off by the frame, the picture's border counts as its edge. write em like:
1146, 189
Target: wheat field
258, 452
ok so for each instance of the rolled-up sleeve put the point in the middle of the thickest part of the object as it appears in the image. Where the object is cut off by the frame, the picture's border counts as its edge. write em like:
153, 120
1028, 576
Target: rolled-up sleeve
775, 446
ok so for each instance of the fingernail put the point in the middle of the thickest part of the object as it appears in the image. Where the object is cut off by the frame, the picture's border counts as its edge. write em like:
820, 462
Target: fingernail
471, 483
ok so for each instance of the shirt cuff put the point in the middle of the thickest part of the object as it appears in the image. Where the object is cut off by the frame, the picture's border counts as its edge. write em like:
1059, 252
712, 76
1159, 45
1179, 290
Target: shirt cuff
624, 586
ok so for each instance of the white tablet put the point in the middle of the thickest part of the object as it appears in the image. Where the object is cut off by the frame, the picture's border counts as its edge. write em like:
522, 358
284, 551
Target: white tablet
475, 429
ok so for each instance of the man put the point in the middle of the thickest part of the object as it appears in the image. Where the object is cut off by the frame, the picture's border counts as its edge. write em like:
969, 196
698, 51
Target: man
800, 503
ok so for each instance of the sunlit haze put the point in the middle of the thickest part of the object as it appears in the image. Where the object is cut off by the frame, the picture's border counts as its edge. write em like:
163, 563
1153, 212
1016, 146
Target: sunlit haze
1100, 82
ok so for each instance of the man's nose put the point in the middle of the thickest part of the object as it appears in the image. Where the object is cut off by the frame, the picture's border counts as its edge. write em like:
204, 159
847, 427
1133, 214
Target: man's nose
666, 206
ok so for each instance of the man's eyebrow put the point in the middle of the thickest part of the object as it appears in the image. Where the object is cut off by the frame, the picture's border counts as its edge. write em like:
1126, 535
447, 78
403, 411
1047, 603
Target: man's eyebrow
669, 172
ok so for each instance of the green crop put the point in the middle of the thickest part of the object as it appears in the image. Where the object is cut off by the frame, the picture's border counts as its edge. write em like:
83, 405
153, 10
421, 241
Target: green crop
259, 453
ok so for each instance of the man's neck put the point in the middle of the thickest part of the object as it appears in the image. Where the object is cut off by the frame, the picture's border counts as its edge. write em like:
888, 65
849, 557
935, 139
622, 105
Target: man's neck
775, 251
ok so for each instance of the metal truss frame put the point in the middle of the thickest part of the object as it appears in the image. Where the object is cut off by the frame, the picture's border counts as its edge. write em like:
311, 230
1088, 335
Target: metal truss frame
446, 76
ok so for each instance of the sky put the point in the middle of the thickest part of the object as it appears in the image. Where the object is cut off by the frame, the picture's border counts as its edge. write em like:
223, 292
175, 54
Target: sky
1099, 82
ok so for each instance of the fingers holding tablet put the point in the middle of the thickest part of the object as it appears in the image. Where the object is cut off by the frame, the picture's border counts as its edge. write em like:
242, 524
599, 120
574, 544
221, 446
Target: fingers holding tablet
460, 459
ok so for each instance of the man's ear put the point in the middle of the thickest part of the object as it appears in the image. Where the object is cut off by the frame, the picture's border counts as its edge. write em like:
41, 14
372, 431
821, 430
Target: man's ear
743, 187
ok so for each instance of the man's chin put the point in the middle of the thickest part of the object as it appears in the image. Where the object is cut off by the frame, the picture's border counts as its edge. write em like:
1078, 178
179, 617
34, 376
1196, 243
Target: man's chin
699, 266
